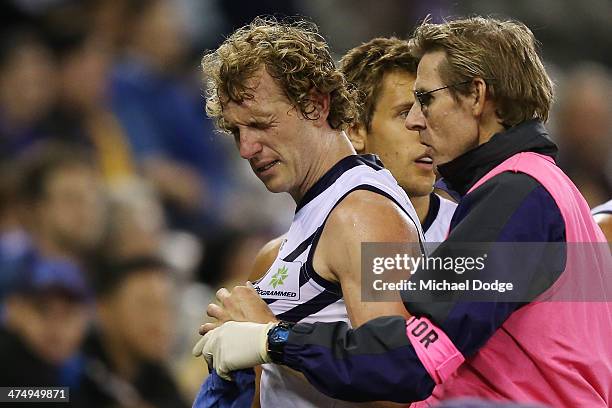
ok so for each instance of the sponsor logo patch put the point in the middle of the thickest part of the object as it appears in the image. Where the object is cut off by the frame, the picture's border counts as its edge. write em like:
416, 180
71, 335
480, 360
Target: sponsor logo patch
282, 281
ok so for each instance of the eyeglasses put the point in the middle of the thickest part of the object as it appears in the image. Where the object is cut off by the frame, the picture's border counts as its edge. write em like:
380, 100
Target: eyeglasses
424, 98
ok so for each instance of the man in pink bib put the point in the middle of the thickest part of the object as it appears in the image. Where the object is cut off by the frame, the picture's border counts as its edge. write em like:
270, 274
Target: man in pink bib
482, 96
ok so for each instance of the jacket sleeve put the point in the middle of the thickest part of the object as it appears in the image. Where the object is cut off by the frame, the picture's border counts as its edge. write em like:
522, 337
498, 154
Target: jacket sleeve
373, 362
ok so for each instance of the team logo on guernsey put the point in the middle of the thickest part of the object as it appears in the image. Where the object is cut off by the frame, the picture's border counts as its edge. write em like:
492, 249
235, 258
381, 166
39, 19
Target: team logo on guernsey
282, 281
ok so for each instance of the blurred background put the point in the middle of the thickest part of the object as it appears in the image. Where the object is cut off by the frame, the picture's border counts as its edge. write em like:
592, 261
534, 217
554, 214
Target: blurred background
122, 211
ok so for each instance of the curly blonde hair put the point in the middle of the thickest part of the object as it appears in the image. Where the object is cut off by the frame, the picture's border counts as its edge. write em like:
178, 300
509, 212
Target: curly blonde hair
366, 65
294, 54
501, 52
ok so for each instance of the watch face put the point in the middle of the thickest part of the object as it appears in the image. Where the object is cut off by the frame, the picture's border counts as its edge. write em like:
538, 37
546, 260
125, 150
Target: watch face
279, 335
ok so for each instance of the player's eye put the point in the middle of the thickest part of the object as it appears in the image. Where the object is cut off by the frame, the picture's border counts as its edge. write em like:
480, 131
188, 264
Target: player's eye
259, 125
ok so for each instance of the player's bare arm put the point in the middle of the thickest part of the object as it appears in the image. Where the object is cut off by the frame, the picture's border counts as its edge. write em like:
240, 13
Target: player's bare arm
363, 216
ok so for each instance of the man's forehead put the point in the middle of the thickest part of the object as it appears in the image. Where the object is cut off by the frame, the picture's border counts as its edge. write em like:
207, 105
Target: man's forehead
263, 90
249, 107
428, 70
398, 78
262, 85
396, 83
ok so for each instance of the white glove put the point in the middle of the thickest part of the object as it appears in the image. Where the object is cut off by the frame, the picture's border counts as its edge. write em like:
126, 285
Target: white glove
234, 346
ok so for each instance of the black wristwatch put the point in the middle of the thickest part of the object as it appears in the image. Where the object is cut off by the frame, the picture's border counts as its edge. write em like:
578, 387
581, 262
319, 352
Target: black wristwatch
277, 338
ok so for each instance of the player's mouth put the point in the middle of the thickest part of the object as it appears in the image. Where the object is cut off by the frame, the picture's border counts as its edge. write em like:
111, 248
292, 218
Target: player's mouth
425, 162
263, 169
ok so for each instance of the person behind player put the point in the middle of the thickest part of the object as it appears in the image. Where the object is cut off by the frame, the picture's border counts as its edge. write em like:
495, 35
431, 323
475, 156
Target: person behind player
603, 217
482, 97
383, 70
275, 88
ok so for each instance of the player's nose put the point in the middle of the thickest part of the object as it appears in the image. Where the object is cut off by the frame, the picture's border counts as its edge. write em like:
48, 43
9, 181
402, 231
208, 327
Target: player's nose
415, 120
248, 145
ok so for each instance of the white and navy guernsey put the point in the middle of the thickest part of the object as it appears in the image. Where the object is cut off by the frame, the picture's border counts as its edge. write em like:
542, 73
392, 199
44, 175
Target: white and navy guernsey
437, 221
605, 208
293, 289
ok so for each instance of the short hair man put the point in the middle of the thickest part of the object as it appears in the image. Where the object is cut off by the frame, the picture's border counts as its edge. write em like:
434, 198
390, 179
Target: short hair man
274, 86
383, 70
482, 94
132, 341
61, 201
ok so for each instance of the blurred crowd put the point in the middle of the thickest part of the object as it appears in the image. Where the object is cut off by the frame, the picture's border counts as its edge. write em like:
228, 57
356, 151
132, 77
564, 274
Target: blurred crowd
121, 210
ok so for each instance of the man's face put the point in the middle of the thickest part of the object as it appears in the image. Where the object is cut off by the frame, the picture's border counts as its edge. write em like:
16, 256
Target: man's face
28, 82
72, 212
399, 148
142, 310
446, 126
273, 136
52, 325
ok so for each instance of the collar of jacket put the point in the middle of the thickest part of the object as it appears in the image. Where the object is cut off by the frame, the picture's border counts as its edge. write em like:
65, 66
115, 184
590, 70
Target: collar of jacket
463, 172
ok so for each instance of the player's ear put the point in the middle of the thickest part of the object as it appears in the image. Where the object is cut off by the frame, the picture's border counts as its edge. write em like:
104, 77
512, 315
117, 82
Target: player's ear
358, 136
319, 106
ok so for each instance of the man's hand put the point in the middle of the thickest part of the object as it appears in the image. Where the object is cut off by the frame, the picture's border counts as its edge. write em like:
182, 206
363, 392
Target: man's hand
234, 346
243, 304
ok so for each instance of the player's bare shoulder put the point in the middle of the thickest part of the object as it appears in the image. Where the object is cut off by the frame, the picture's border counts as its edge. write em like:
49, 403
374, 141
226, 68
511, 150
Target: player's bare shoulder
366, 216
363, 216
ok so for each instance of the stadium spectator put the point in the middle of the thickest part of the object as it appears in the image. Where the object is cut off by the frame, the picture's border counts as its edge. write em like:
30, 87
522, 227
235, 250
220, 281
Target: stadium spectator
126, 354
83, 116
28, 91
61, 202
584, 129
162, 116
15, 244
46, 317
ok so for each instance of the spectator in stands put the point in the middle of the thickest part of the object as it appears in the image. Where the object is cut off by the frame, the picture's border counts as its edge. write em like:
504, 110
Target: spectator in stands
83, 116
61, 202
163, 118
46, 316
585, 130
28, 84
126, 355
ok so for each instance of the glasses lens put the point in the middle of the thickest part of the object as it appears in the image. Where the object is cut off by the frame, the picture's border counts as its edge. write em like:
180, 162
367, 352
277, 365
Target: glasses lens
423, 99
